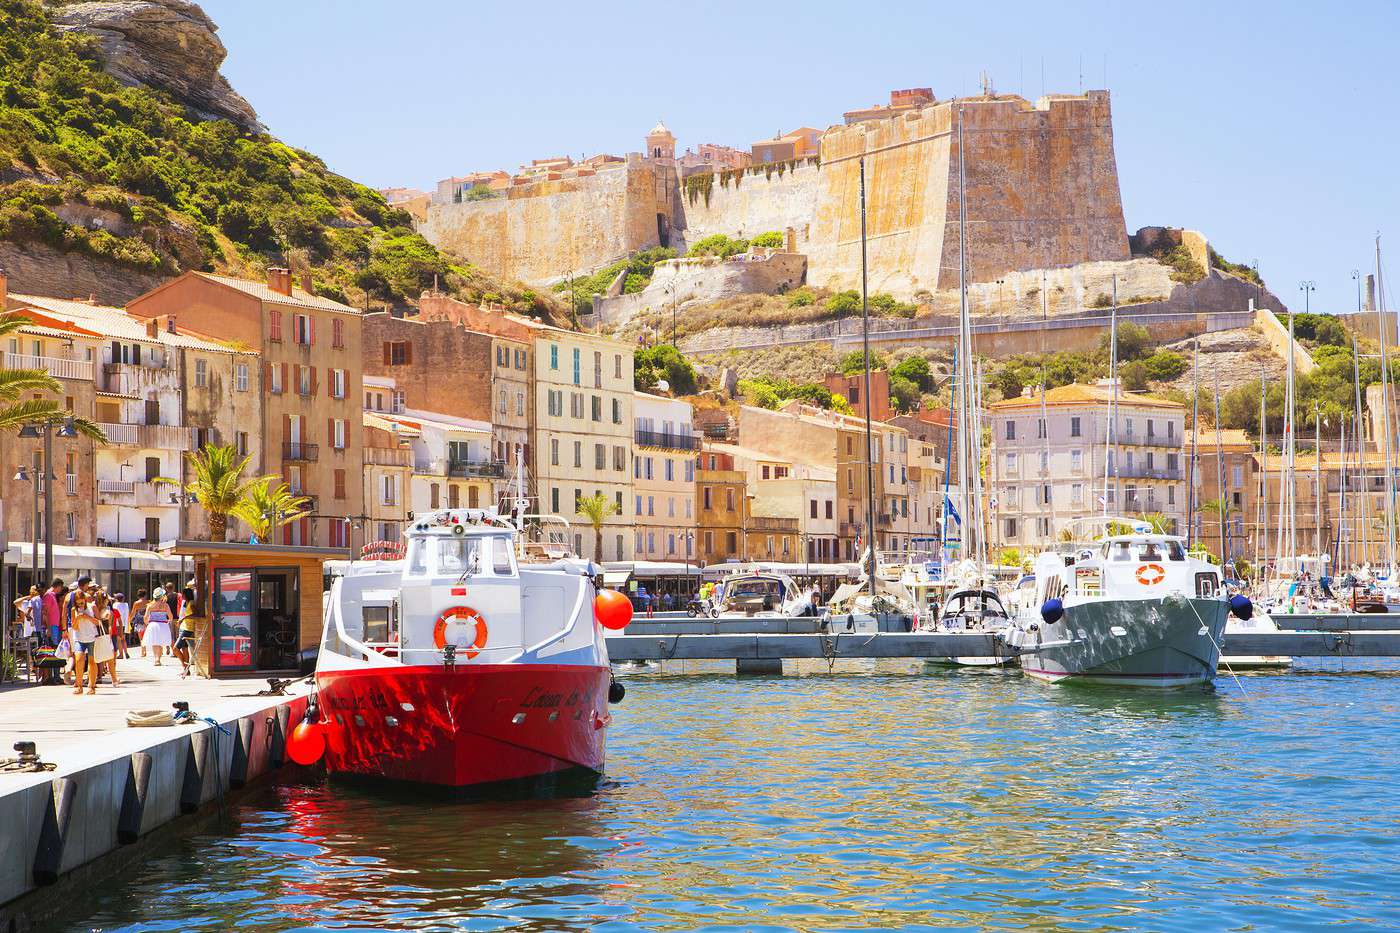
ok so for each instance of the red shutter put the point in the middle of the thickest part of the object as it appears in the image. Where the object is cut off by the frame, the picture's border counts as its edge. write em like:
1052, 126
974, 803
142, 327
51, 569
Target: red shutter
408, 352
267, 377
287, 428
311, 325
315, 376
388, 357
330, 432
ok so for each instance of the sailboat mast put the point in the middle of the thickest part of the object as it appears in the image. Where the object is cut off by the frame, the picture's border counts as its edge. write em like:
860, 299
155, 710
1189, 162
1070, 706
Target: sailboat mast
1195, 432
966, 424
1110, 435
1385, 418
1288, 478
1360, 505
1317, 480
1223, 503
1261, 541
869, 434
1048, 484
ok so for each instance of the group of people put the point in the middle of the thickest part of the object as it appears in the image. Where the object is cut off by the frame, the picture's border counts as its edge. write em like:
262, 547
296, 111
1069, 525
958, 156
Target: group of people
94, 628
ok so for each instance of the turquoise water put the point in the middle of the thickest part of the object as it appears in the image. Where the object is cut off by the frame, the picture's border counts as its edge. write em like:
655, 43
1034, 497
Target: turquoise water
855, 801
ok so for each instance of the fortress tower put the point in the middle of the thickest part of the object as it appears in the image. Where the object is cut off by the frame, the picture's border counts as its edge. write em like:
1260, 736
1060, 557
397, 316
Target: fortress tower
661, 145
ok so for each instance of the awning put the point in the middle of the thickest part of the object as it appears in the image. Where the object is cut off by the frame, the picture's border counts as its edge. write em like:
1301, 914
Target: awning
615, 577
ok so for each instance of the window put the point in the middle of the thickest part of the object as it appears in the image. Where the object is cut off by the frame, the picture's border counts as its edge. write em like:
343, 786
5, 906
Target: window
338, 431
501, 357
765, 471
72, 523
705, 497
240, 377
578, 455
1171, 493
338, 381
1011, 464
1151, 428
1008, 528
519, 404
501, 401
152, 468
617, 411
433, 496
554, 500
554, 451
302, 329
729, 498
519, 359
670, 470
554, 357
339, 484
1074, 430
597, 408
617, 366
576, 404
454, 496
201, 373
274, 326
814, 508
1171, 429
828, 508
597, 369
651, 505
338, 334
1040, 428
388, 490
1076, 493
1010, 430
398, 402
620, 458
578, 362
398, 353
305, 380
600, 456
241, 443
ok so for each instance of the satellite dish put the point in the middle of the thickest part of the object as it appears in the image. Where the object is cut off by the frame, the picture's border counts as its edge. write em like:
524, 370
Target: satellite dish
663, 386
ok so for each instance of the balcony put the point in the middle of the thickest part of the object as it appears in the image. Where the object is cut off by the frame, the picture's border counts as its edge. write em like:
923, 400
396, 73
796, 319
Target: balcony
486, 468
667, 441
54, 366
131, 378
851, 529
772, 523
389, 456
147, 436
135, 494
296, 451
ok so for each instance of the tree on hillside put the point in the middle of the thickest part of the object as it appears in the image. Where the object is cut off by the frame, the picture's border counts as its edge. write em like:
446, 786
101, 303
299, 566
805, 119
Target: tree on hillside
664, 361
916, 370
1133, 341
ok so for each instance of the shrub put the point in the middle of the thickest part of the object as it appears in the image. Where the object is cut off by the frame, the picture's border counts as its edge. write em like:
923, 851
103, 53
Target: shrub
1164, 366
664, 361
904, 394
771, 239
801, 298
854, 362
916, 370
841, 303
718, 245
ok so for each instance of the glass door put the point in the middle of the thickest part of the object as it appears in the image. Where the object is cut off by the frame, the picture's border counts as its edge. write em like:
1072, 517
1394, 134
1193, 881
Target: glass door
233, 620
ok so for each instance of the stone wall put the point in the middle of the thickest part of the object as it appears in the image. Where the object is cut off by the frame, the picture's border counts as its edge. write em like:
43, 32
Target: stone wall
687, 281
1042, 191
542, 231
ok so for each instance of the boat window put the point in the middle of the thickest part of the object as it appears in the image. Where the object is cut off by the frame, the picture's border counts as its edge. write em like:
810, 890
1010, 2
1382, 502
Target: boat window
1120, 551
459, 555
1150, 551
1206, 584
501, 564
417, 557
1175, 551
377, 624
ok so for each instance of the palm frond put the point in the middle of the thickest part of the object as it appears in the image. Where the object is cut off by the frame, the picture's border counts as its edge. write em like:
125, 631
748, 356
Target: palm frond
12, 321
38, 410
14, 382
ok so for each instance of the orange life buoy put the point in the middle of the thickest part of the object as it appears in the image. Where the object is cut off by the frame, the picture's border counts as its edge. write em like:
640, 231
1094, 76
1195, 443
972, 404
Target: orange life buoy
463, 614
1151, 574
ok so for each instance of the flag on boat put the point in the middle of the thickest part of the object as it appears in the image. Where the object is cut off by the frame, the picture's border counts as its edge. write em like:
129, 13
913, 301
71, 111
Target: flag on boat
952, 510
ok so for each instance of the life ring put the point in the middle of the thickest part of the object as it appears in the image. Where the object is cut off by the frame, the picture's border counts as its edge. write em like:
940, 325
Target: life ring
463, 614
1151, 574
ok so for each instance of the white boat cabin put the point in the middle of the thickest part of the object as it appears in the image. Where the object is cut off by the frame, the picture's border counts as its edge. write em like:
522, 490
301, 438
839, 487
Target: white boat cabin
1123, 566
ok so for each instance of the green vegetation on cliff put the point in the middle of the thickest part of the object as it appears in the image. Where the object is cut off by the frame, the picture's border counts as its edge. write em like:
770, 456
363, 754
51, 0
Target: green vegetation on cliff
640, 267
130, 176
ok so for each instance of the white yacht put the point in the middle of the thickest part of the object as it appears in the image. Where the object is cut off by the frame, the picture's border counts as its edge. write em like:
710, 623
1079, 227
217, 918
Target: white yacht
1132, 610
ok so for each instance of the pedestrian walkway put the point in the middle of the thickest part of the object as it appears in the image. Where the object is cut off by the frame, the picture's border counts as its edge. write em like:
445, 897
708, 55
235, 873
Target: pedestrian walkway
58, 719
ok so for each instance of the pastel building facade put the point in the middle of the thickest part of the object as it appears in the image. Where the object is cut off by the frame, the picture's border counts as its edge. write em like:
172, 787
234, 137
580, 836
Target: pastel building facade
663, 476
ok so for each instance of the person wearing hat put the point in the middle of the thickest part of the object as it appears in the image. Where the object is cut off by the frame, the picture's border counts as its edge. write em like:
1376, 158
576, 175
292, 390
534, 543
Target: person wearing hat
158, 618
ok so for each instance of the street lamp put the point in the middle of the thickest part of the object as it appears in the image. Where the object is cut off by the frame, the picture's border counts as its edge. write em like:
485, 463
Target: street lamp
1307, 287
46, 429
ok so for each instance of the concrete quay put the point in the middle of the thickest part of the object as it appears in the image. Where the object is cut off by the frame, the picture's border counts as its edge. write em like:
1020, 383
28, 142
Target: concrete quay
113, 784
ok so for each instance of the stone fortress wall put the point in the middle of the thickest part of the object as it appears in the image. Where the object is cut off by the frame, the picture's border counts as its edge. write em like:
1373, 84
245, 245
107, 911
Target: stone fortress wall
1042, 192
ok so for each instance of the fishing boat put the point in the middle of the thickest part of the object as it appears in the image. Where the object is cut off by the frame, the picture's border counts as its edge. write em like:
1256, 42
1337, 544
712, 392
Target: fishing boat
1135, 610
464, 664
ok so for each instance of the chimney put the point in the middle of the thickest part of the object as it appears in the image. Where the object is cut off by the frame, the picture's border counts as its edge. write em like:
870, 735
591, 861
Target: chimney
153, 328
279, 280
306, 283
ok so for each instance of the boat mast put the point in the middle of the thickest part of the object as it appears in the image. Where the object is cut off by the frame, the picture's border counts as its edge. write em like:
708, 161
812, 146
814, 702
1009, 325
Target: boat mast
869, 434
967, 443
1385, 418
1288, 542
1317, 480
1224, 500
1110, 435
1361, 505
1048, 485
1343, 544
1261, 540
1195, 433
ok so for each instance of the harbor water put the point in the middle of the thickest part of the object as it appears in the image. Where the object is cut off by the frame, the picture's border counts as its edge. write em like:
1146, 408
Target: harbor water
959, 800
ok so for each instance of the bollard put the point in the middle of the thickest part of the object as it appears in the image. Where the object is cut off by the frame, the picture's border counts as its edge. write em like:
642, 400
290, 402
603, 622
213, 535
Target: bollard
238, 763
138, 782
196, 758
48, 856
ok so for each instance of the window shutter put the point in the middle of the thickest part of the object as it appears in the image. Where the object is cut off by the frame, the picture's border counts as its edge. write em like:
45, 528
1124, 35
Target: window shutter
408, 352
387, 353
315, 376
286, 387
311, 326
287, 428
267, 376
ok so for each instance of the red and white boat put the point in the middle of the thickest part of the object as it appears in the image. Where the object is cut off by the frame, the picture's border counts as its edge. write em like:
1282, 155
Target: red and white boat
465, 664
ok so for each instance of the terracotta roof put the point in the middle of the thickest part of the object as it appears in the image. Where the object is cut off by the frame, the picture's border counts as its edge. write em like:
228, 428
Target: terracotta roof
1077, 393
109, 321
263, 292
1229, 437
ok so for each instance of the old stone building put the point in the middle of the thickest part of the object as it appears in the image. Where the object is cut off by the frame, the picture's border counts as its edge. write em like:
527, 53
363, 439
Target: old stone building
719, 508
159, 392
309, 406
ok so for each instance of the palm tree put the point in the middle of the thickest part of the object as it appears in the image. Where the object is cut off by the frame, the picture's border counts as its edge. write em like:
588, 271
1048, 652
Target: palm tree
268, 505
217, 484
1158, 521
17, 382
596, 508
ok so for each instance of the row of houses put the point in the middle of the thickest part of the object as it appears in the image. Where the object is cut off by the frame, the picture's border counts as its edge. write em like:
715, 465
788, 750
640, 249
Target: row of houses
375, 417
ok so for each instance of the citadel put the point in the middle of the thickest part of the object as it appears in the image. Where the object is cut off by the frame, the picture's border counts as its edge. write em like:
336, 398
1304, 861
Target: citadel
1042, 193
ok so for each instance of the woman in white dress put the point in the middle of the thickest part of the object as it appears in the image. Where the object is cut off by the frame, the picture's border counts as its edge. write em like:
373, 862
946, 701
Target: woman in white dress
158, 624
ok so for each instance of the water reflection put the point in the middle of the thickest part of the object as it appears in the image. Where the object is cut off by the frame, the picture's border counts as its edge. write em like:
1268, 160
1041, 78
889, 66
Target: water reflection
849, 802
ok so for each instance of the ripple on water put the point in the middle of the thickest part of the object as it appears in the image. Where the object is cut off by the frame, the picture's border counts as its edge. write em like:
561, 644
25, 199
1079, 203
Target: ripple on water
849, 802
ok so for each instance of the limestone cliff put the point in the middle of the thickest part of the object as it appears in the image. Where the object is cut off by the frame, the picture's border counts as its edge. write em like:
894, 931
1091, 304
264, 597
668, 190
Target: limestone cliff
169, 45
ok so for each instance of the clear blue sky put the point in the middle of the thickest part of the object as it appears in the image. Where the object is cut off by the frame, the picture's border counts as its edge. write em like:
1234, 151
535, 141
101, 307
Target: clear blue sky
1271, 127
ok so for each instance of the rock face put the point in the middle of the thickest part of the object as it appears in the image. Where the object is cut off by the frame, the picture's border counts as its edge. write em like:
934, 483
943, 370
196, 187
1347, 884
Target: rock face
169, 45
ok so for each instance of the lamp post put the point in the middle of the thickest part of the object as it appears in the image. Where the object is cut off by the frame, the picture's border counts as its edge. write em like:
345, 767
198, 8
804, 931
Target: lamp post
22, 475
46, 429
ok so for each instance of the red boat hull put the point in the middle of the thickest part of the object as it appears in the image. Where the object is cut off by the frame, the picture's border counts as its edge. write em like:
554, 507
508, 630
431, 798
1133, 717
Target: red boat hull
465, 726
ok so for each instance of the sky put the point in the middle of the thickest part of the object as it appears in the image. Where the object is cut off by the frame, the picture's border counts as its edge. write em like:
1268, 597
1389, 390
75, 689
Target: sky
1270, 127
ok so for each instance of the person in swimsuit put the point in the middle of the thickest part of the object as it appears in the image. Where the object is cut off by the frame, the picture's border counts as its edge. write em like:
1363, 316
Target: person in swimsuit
184, 645
83, 631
